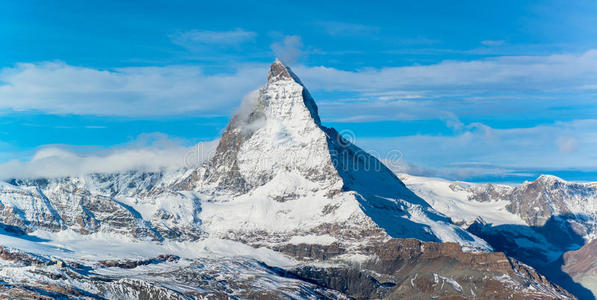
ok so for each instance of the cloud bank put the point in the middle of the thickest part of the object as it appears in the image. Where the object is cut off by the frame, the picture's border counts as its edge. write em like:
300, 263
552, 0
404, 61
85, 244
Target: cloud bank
59, 88
59, 161
447, 91
480, 150
499, 74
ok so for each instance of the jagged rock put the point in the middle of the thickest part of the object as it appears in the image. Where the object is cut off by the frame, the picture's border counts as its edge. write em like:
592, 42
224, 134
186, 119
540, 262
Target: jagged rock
408, 268
131, 264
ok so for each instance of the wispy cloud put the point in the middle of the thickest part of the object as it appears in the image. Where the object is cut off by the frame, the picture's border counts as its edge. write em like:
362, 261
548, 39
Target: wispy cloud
493, 42
54, 87
289, 49
149, 152
347, 29
557, 146
195, 38
58, 88
567, 144
509, 73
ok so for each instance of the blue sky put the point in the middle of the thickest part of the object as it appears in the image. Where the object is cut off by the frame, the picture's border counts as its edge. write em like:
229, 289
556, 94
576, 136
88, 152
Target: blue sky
479, 91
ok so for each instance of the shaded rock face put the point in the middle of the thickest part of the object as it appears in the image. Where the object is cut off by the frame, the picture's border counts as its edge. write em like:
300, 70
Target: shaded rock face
532, 246
581, 266
582, 261
537, 201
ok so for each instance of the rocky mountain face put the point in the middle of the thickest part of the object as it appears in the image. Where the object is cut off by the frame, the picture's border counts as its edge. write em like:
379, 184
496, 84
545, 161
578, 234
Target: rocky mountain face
280, 183
537, 222
92, 204
581, 265
407, 269
548, 196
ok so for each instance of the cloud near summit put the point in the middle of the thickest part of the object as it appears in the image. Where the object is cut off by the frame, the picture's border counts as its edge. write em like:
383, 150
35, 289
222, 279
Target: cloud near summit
60, 88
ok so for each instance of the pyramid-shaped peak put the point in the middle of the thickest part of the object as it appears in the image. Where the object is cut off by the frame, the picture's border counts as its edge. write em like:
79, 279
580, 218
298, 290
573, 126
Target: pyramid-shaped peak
279, 71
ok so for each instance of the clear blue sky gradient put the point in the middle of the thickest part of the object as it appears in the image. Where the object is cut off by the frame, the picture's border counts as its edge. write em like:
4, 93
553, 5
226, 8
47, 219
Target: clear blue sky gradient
536, 112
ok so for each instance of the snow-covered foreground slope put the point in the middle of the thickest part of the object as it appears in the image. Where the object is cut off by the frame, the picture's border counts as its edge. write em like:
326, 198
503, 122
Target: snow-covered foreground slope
283, 203
112, 266
68, 264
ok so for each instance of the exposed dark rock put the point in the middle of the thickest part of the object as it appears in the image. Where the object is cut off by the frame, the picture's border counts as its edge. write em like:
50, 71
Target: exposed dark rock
408, 268
131, 264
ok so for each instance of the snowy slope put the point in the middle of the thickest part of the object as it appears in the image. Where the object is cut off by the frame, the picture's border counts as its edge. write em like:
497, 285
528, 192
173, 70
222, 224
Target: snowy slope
461, 201
532, 203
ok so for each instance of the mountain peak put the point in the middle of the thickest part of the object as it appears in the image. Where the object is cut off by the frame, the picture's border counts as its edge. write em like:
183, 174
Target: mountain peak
279, 71
548, 179
300, 176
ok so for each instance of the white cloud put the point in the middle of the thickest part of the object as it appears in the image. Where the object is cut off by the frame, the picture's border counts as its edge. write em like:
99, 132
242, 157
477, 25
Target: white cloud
59, 161
498, 75
194, 38
58, 88
289, 50
462, 171
55, 87
567, 144
482, 150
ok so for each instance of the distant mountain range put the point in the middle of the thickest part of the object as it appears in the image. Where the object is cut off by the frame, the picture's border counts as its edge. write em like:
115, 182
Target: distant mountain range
287, 208
542, 223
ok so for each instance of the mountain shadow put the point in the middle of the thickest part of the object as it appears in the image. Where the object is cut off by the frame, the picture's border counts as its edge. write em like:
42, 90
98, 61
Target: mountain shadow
383, 196
541, 247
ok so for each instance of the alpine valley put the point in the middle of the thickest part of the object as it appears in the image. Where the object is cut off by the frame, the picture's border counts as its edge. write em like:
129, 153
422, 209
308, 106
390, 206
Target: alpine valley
289, 209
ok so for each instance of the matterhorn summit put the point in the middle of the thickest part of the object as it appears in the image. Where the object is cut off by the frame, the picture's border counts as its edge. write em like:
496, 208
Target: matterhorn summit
280, 175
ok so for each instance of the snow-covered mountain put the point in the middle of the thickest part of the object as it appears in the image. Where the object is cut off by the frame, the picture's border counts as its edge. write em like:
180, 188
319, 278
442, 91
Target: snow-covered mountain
536, 222
297, 206
277, 174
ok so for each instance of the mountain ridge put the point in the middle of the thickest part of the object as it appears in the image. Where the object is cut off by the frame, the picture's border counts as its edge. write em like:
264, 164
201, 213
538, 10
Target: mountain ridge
544, 223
